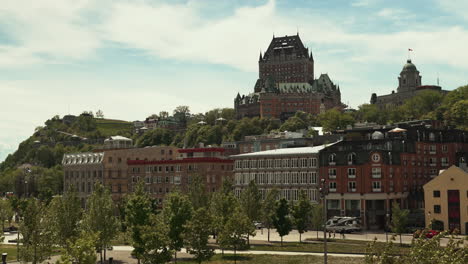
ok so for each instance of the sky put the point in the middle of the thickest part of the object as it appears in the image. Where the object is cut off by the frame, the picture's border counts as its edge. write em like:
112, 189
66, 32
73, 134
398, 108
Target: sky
133, 58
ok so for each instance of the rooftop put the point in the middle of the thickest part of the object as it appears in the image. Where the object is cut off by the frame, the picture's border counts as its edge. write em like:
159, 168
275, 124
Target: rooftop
285, 151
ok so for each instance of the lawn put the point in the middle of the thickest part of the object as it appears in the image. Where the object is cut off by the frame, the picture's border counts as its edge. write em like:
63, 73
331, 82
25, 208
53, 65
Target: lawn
334, 246
110, 127
270, 259
10, 250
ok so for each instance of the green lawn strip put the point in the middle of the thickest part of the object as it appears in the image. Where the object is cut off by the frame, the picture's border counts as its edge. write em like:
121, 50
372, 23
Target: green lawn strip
269, 259
336, 246
12, 251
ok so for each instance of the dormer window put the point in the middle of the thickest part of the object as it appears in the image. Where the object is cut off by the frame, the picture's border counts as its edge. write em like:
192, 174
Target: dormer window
431, 137
332, 159
351, 158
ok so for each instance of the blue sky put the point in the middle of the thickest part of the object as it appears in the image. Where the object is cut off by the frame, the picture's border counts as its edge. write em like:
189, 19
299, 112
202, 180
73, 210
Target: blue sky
134, 58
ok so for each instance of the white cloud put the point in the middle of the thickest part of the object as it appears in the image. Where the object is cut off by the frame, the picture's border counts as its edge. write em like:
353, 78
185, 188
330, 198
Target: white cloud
458, 7
363, 3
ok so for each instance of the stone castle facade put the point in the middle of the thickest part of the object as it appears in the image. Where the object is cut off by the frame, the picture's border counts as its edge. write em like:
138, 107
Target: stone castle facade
286, 84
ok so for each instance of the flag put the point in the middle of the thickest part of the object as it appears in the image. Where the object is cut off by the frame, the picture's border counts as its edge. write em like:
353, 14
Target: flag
410, 49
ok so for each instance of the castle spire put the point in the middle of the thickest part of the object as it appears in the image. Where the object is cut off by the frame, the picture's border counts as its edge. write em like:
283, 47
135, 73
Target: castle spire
311, 57
260, 58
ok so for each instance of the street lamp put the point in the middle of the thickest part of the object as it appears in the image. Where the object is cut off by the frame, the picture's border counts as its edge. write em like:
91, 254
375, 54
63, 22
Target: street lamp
323, 193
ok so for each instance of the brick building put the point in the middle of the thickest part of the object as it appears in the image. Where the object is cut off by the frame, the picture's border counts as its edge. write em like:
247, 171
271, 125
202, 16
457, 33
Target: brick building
163, 176
376, 166
119, 169
291, 170
286, 84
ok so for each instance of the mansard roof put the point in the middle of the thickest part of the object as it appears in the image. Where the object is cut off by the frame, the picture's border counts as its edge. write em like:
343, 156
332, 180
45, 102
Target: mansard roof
286, 43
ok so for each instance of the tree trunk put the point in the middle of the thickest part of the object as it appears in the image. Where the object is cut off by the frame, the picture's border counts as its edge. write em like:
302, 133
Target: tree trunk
400, 241
175, 256
281, 240
248, 240
105, 251
268, 234
100, 253
235, 259
317, 233
138, 260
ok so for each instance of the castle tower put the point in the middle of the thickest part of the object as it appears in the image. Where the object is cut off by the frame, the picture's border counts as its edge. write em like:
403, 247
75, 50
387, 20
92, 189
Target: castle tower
409, 78
287, 60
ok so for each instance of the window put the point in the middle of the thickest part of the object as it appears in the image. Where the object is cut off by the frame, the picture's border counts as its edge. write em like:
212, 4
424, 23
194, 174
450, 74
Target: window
432, 161
332, 173
376, 173
431, 136
444, 161
437, 209
351, 158
432, 149
332, 159
436, 193
444, 148
351, 172
352, 186
332, 186
375, 157
376, 187
110, 159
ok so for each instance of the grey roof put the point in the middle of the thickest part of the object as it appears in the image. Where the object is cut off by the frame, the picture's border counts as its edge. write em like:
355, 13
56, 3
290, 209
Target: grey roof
409, 66
285, 151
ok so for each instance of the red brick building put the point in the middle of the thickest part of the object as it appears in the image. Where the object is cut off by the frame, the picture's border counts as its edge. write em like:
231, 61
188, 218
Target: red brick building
375, 167
286, 84
164, 176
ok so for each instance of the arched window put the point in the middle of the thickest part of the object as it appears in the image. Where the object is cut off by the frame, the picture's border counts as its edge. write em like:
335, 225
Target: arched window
351, 158
332, 158
431, 137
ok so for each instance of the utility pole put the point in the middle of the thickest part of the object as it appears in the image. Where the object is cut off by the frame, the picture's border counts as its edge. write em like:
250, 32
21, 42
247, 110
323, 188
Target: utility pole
323, 193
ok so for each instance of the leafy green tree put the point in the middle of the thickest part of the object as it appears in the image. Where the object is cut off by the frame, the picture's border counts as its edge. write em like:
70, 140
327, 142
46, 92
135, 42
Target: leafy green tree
197, 192
99, 217
282, 221
251, 202
236, 231
334, 119
222, 205
197, 234
317, 217
66, 212
293, 124
399, 220
6, 212
176, 212
36, 232
269, 209
138, 211
301, 212
156, 241
82, 250
158, 136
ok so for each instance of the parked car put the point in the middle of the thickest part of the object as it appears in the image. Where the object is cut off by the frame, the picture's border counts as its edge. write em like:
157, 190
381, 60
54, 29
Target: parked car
432, 233
344, 224
258, 225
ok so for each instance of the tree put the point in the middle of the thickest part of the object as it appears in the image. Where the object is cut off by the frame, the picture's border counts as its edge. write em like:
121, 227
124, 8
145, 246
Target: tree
99, 114
82, 250
197, 234
66, 212
301, 214
99, 217
236, 231
251, 202
156, 241
269, 209
36, 232
176, 212
222, 205
282, 221
317, 217
422, 251
138, 211
197, 192
334, 119
6, 212
399, 220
